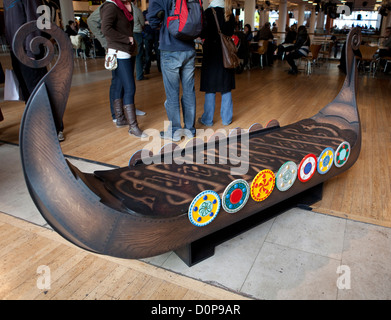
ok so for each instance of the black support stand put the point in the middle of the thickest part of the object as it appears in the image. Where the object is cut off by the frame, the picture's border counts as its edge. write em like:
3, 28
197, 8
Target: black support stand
204, 248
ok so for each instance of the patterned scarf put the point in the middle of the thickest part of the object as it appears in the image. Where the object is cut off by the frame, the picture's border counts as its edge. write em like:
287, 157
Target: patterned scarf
121, 5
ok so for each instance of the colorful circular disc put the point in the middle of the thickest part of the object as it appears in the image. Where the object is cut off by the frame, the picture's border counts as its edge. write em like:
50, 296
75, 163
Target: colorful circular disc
342, 154
286, 176
325, 161
235, 195
307, 167
262, 185
204, 208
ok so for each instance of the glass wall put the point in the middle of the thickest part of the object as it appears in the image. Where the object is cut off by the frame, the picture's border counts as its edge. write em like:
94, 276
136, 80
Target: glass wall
368, 20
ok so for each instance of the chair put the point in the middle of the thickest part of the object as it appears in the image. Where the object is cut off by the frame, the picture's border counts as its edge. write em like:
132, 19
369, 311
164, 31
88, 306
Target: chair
367, 56
312, 57
326, 51
262, 51
388, 60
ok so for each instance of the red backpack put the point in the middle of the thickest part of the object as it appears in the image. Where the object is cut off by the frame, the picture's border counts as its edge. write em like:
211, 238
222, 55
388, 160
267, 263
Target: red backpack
185, 19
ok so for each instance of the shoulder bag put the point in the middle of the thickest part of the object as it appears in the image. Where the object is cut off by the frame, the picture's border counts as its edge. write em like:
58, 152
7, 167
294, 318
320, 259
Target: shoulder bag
111, 61
230, 59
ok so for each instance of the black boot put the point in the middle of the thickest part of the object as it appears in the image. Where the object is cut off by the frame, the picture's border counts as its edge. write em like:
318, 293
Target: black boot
119, 113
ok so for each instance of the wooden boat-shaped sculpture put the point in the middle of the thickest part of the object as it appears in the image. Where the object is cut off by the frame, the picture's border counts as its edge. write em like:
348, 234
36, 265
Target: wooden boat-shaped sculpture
146, 209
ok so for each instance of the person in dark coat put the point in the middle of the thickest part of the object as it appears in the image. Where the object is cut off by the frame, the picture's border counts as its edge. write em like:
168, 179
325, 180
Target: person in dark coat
214, 77
17, 13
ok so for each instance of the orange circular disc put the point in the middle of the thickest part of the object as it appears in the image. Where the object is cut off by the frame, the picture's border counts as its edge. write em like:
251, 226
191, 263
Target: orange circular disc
262, 185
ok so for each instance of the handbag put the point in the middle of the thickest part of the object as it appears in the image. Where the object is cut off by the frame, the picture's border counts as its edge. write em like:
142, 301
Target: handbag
230, 58
11, 86
111, 62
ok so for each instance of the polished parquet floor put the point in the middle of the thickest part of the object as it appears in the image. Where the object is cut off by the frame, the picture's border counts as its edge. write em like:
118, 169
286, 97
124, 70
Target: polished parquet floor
362, 193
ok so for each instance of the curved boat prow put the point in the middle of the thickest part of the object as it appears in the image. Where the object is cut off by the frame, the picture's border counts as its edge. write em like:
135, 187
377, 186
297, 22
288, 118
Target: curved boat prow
342, 111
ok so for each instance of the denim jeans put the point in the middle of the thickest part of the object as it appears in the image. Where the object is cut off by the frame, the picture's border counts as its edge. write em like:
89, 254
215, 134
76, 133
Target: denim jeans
123, 85
178, 67
226, 110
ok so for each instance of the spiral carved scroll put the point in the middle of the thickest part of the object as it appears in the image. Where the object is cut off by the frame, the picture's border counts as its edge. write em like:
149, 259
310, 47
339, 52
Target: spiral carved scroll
355, 39
59, 77
352, 45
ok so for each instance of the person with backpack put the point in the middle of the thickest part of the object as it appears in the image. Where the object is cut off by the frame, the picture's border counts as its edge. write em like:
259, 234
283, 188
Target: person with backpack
177, 53
214, 77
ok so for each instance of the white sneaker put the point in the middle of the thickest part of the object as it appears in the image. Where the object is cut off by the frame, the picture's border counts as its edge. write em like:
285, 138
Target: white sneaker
140, 113
187, 133
60, 136
177, 136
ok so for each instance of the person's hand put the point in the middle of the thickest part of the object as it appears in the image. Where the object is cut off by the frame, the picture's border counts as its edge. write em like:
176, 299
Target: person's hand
131, 40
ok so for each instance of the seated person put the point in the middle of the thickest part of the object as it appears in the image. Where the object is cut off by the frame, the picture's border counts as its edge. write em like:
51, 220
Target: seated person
84, 32
301, 48
265, 33
385, 49
287, 45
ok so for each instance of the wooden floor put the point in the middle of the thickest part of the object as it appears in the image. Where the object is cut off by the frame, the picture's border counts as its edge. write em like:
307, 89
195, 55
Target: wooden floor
75, 274
362, 193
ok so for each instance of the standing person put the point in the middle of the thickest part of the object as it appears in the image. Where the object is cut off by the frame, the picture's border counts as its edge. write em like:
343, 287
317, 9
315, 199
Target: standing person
138, 28
148, 42
214, 77
177, 66
301, 48
117, 27
16, 14
94, 22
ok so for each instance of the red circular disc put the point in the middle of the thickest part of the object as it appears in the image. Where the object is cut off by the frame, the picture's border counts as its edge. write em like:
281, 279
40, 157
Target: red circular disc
307, 167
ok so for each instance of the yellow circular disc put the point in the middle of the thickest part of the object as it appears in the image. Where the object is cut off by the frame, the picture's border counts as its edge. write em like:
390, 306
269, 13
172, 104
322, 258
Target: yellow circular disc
325, 160
204, 208
262, 185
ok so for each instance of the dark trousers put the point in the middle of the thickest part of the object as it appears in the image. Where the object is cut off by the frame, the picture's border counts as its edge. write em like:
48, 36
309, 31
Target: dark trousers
291, 57
28, 77
124, 86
